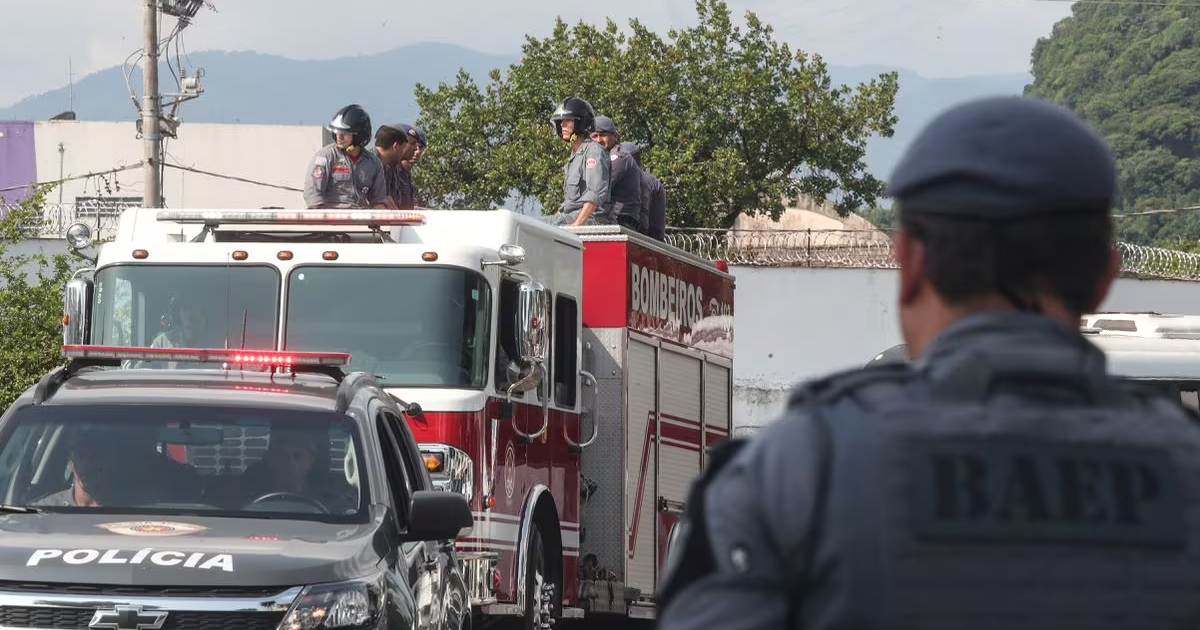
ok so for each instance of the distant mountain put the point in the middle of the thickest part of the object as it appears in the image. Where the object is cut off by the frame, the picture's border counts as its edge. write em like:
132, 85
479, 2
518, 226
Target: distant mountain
247, 87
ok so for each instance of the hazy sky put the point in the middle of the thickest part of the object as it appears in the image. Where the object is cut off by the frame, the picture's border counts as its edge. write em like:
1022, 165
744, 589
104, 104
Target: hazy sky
936, 38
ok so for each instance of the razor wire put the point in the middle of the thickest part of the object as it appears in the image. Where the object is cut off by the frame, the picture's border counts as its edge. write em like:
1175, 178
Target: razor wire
872, 249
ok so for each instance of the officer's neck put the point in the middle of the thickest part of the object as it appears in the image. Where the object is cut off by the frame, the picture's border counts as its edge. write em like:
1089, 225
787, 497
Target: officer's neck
578, 141
926, 321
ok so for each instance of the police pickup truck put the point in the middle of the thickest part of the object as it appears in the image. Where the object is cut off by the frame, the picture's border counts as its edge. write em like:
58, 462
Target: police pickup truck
230, 490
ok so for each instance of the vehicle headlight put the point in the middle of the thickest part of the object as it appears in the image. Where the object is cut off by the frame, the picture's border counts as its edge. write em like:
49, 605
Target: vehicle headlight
450, 469
340, 605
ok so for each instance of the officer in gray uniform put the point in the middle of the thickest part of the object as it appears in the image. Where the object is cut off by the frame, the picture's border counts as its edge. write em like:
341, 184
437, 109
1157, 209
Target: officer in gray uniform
586, 196
625, 180
345, 173
1003, 479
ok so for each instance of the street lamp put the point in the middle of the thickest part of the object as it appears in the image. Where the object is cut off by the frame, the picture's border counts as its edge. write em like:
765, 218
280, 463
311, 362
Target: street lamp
183, 9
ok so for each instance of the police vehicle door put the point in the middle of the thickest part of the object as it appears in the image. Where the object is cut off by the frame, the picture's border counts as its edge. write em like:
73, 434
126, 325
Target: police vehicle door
424, 570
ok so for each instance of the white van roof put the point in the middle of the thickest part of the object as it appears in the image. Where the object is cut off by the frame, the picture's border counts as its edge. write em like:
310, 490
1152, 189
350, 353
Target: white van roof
1144, 324
1154, 358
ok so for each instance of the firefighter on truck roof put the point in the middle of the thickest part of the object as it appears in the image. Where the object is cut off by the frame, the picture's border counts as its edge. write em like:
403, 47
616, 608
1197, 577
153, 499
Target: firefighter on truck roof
1005, 478
586, 196
346, 173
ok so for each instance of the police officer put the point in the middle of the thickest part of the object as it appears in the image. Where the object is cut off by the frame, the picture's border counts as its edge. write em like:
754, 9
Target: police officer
408, 164
654, 202
586, 197
625, 179
1003, 479
345, 173
394, 144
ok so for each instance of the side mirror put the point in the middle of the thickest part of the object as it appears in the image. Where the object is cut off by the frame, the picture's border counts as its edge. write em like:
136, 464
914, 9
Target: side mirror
437, 515
533, 311
77, 320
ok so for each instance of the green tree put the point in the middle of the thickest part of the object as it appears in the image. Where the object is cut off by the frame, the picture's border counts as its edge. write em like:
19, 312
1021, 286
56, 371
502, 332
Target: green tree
31, 303
735, 120
1133, 71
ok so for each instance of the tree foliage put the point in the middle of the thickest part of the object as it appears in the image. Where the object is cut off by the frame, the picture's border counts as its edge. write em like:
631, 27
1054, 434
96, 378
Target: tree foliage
1133, 71
31, 303
736, 121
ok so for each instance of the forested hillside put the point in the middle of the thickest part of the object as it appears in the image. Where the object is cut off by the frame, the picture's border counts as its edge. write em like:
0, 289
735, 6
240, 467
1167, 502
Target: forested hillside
1133, 71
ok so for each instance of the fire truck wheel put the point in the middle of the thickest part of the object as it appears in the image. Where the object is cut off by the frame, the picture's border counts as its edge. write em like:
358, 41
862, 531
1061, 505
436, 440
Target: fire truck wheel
543, 593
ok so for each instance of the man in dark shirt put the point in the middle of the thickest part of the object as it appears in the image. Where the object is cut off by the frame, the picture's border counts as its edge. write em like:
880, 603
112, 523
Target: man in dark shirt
394, 143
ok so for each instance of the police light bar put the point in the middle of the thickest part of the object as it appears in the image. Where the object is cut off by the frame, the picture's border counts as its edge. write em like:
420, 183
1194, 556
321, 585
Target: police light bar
204, 355
295, 217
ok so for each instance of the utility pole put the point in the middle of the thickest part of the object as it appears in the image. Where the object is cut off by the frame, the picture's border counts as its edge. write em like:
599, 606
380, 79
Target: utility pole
151, 111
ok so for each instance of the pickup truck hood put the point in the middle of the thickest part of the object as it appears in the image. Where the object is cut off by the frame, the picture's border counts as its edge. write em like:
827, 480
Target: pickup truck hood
80, 548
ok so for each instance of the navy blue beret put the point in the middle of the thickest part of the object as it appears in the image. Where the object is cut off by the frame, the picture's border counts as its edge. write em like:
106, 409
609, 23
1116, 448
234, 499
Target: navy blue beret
1005, 157
604, 124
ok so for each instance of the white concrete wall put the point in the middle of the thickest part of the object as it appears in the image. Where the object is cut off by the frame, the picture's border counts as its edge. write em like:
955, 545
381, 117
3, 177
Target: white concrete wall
793, 324
272, 154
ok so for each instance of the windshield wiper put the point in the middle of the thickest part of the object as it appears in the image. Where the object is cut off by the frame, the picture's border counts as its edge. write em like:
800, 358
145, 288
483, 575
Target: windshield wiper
18, 509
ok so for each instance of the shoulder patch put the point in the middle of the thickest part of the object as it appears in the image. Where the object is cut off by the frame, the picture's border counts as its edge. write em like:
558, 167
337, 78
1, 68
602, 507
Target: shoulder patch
590, 163
839, 384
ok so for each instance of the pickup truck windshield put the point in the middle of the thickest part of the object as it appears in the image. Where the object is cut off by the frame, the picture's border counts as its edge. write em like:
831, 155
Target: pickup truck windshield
186, 306
159, 459
409, 326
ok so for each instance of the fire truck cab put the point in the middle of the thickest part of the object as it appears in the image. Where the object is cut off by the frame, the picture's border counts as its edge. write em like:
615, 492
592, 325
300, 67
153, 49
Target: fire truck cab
567, 382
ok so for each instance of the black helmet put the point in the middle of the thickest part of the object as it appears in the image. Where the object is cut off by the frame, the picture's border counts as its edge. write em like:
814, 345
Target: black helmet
354, 120
895, 354
580, 110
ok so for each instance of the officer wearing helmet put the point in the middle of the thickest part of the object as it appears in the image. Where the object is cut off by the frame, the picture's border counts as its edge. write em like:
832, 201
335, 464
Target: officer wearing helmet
345, 173
1001, 479
586, 197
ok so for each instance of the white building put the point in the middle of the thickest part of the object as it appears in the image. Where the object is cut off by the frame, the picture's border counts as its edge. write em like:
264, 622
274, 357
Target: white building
268, 162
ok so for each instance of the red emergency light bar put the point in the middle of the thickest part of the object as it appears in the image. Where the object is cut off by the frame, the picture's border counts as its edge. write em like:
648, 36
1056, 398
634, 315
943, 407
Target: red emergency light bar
292, 217
204, 355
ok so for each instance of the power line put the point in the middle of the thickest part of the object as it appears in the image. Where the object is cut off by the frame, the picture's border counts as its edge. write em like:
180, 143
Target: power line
70, 179
230, 177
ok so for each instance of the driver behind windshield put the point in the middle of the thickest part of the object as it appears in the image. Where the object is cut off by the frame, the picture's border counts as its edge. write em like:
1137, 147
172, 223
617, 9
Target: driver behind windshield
296, 462
102, 474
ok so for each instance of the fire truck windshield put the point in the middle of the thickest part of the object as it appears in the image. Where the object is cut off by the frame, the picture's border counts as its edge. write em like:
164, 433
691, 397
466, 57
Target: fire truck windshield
186, 306
409, 326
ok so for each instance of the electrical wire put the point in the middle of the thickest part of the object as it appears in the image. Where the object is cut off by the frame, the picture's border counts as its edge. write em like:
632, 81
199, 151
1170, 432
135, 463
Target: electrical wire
229, 177
56, 182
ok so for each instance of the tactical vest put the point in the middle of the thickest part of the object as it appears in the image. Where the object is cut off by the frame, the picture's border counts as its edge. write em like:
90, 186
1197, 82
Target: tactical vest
989, 498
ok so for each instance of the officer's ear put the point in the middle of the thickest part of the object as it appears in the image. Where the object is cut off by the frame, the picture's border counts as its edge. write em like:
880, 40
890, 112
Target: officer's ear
910, 256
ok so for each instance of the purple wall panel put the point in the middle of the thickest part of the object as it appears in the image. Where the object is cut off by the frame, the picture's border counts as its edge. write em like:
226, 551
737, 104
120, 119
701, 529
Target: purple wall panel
18, 162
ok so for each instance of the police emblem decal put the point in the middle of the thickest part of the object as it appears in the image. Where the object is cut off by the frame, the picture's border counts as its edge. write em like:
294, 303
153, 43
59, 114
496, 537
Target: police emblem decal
151, 528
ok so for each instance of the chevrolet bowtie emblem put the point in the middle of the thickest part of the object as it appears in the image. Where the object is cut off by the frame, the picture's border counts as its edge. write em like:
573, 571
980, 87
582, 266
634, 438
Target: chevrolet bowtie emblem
128, 618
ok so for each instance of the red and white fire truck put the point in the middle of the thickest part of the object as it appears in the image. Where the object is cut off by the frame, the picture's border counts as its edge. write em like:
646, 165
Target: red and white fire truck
567, 381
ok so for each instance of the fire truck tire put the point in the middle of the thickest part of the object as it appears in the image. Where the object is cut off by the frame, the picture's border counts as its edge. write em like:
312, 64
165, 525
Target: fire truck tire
542, 581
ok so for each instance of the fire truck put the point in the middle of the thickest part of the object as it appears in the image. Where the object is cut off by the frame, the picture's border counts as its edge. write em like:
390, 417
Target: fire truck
568, 382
